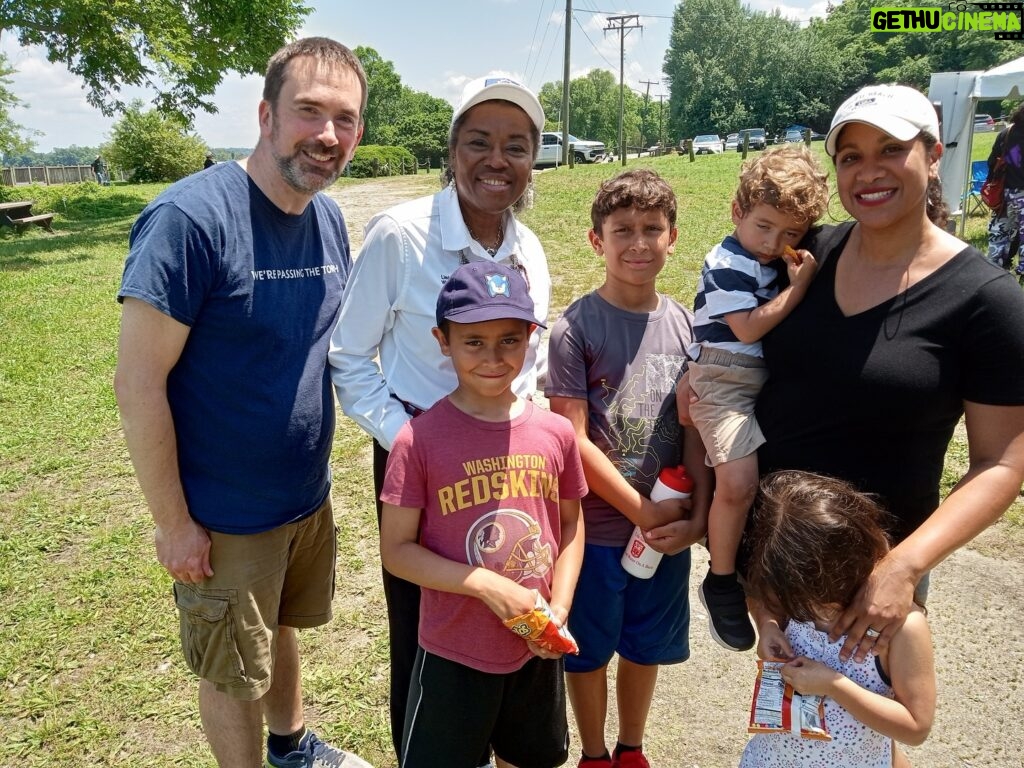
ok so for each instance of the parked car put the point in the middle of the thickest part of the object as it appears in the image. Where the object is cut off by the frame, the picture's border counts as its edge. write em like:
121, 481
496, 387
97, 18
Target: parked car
731, 141
792, 137
984, 124
758, 139
782, 136
707, 144
584, 151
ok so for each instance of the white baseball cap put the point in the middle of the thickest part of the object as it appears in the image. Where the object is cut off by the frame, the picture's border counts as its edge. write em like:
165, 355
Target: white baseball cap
898, 110
504, 88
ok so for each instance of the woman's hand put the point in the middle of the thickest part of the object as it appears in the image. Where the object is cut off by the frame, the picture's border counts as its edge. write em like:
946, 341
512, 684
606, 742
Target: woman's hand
878, 611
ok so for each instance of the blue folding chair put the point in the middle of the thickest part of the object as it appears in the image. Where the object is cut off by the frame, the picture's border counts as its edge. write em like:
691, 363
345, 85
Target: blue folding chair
979, 172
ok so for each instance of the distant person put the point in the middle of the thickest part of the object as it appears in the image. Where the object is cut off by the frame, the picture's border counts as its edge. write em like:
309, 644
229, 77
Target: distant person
99, 167
209, 161
230, 291
1006, 226
385, 364
739, 299
481, 558
814, 543
615, 357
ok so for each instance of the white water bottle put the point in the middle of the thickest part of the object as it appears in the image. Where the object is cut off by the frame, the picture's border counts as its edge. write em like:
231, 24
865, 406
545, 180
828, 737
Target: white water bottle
640, 559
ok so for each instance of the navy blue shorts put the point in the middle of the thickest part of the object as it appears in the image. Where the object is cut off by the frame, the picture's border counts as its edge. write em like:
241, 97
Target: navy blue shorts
647, 621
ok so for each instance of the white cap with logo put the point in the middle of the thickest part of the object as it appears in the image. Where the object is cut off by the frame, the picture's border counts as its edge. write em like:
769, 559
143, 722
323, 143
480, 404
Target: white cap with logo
898, 110
504, 88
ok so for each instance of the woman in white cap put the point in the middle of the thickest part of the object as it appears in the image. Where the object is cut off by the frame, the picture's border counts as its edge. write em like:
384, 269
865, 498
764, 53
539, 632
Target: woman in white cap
385, 363
904, 330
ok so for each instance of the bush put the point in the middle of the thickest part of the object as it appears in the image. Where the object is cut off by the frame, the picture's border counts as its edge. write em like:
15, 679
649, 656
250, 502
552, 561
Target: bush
83, 201
377, 160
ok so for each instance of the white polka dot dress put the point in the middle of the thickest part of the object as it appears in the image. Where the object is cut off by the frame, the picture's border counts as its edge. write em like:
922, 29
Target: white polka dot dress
853, 744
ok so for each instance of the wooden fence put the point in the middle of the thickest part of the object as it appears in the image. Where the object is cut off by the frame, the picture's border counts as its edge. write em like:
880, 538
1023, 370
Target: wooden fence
49, 174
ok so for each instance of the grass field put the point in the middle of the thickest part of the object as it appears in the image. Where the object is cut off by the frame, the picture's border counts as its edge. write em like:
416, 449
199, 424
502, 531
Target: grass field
90, 668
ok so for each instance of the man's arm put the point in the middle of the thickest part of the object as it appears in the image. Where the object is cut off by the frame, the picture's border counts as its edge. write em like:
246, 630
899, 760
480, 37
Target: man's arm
149, 346
605, 480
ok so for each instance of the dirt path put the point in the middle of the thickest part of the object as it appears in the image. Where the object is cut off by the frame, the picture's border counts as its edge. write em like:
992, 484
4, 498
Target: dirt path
976, 613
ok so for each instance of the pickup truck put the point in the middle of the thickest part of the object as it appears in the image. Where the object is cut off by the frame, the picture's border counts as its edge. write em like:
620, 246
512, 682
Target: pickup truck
583, 151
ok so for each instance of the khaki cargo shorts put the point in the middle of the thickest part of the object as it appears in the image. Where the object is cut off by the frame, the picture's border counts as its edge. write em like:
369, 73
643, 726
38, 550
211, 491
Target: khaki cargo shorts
281, 577
727, 385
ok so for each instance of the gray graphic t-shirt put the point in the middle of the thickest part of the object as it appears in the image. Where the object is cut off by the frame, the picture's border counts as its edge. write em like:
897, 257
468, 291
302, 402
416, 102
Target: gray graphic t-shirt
625, 365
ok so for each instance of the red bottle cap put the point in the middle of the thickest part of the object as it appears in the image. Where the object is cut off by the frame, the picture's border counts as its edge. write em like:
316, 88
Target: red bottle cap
677, 479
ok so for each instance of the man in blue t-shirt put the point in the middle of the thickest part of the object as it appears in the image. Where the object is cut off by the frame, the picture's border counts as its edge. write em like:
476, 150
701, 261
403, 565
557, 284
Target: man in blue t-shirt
230, 292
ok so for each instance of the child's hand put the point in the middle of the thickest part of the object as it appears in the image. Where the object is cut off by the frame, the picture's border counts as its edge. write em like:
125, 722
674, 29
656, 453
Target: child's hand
507, 598
772, 643
807, 676
800, 268
561, 614
672, 538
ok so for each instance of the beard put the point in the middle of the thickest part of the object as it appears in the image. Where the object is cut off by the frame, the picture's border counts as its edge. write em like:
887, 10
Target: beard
302, 176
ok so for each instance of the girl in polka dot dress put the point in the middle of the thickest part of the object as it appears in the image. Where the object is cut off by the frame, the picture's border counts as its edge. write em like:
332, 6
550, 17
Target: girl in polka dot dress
812, 544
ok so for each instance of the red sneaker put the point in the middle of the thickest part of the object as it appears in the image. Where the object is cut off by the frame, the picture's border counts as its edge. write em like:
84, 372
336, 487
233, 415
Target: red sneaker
631, 759
594, 762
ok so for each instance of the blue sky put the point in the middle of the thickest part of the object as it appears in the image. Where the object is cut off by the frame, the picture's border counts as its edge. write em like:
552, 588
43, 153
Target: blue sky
434, 48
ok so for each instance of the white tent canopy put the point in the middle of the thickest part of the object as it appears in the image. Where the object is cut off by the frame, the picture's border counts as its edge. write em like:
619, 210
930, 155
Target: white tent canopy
957, 94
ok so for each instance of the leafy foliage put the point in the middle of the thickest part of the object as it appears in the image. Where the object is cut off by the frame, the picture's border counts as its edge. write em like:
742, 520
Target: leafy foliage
180, 50
151, 147
399, 116
13, 138
776, 73
594, 108
375, 160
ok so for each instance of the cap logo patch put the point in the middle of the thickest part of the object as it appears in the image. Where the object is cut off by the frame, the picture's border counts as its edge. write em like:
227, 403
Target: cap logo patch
498, 285
500, 80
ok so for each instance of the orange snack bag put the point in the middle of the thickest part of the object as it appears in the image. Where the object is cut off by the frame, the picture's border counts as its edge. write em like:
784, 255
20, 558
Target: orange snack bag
539, 626
777, 708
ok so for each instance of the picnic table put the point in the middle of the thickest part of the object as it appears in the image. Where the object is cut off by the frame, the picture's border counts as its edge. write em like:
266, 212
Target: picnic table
18, 215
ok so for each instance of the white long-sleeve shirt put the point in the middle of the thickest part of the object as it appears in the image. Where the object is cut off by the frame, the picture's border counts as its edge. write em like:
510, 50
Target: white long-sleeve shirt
382, 353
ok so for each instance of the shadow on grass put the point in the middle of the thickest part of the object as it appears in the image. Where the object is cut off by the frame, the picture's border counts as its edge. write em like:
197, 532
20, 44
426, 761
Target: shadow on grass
72, 242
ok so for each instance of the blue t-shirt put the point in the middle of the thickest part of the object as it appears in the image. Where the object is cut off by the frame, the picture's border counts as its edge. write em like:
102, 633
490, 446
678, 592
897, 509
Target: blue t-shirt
250, 396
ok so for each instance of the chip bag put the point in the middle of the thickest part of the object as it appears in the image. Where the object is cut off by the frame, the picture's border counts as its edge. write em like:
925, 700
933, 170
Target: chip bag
539, 626
777, 708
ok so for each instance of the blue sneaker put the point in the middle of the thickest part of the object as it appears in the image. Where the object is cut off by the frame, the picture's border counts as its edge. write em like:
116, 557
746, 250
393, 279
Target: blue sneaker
314, 753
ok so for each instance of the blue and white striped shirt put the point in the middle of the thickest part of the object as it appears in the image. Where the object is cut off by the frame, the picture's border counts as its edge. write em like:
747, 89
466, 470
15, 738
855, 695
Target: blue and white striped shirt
732, 280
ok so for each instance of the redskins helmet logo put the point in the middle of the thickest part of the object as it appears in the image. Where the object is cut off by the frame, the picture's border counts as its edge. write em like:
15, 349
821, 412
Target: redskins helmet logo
509, 542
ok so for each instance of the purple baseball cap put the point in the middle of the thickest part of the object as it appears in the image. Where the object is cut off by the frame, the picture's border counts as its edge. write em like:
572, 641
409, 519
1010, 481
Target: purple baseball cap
481, 291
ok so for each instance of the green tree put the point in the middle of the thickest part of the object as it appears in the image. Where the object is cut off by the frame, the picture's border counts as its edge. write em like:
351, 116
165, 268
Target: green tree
180, 50
422, 125
594, 108
150, 146
384, 90
14, 139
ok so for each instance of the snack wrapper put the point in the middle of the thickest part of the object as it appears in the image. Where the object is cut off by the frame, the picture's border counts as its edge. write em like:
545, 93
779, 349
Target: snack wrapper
777, 708
539, 626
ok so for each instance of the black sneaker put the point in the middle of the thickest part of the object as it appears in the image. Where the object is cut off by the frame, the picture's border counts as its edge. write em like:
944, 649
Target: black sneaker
727, 616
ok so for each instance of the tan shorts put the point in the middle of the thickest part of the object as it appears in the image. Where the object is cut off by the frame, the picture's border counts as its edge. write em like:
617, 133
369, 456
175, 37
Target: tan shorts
727, 385
281, 577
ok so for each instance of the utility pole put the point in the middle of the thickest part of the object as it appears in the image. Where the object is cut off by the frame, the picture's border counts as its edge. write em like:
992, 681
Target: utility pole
620, 23
565, 84
661, 121
647, 109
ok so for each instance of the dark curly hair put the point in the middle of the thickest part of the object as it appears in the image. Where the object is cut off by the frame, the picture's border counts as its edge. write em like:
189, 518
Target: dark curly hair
812, 543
